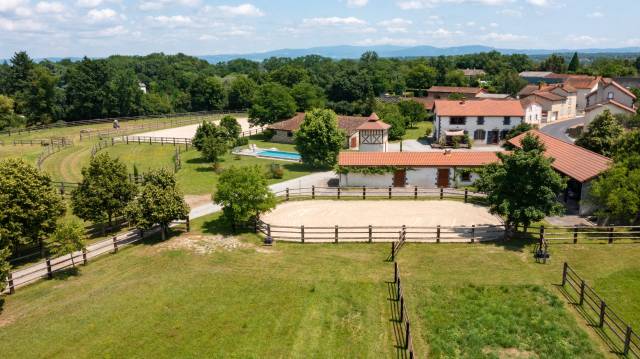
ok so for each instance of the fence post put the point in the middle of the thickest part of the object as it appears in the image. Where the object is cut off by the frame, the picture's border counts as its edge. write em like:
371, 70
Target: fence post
401, 308
336, 234
338, 192
313, 192
302, 234
115, 244
581, 292
627, 341
49, 271
541, 232
287, 194
370, 234
603, 307
466, 194
395, 272
441, 192
564, 273
438, 234
415, 192
12, 289
404, 232
393, 251
473, 233
610, 235
407, 335
364, 192
575, 234
390, 192
268, 230
188, 224
398, 284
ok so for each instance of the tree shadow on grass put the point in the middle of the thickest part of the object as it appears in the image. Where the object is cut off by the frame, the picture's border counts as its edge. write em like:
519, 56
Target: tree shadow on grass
67, 273
197, 161
1, 304
220, 226
514, 244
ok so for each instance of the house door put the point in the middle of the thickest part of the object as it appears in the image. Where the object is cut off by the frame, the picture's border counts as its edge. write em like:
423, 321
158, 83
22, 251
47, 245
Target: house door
354, 142
399, 178
493, 137
443, 177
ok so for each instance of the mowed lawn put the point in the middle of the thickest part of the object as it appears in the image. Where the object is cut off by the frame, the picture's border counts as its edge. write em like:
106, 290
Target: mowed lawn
493, 299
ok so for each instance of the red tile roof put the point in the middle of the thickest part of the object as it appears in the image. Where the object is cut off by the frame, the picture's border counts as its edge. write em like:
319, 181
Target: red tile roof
348, 123
569, 159
582, 82
487, 108
374, 123
416, 159
454, 89
615, 103
608, 81
427, 102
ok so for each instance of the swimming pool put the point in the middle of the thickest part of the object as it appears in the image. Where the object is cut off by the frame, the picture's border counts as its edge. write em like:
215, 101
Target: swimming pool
280, 155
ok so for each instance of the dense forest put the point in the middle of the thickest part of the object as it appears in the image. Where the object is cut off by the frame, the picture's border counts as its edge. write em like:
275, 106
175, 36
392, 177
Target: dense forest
33, 93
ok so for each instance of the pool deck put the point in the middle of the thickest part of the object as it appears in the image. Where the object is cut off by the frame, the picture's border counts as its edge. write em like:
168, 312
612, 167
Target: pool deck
254, 153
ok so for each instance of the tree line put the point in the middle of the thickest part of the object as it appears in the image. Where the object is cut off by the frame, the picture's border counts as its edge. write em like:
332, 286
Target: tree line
45, 92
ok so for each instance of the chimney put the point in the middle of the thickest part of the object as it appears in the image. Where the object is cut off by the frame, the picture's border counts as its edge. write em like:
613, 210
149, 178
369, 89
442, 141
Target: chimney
447, 152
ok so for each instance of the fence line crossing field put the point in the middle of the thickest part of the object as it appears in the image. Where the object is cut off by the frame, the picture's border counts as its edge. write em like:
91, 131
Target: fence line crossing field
379, 213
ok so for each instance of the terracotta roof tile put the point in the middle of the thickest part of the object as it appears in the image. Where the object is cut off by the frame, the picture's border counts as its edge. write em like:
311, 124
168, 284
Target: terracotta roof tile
608, 81
569, 159
615, 103
479, 108
374, 123
427, 102
416, 159
348, 123
454, 89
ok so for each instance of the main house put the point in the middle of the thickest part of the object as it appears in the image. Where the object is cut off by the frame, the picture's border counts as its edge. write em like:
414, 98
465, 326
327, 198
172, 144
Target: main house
485, 121
558, 101
362, 133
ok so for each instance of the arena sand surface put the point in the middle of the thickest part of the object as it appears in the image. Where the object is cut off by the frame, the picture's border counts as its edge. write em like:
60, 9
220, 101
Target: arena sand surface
323, 213
190, 131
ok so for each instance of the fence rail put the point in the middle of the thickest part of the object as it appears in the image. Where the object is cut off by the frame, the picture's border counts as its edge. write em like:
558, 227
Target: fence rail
62, 124
365, 192
174, 141
48, 151
576, 234
620, 336
48, 267
403, 315
60, 141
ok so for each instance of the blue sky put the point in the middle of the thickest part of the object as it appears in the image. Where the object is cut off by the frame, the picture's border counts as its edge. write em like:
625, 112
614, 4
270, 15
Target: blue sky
203, 27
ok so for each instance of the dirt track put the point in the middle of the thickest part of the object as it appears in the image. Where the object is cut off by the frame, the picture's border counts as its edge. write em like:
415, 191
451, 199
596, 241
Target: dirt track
379, 213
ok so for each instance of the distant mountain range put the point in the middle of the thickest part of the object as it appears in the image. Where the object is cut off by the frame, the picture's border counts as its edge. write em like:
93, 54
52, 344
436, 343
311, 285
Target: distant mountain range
352, 52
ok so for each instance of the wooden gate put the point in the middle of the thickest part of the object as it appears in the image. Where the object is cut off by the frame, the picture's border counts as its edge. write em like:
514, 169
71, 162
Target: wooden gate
443, 177
399, 178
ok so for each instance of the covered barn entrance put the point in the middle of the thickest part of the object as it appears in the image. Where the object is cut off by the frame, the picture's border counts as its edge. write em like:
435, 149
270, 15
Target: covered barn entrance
443, 178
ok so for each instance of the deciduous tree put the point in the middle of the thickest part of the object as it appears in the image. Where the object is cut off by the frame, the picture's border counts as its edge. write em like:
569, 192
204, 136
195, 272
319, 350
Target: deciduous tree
308, 96
319, 138
272, 102
243, 193
68, 238
241, 92
601, 134
413, 112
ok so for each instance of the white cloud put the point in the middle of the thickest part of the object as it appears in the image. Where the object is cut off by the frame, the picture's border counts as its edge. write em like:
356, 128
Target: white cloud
510, 12
102, 15
207, 37
248, 10
332, 21
151, 5
396, 25
442, 33
11, 5
595, 15
539, 2
112, 31
585, 40
88, 3
20, 25
421, 4
503, 37
387, 41
23, 12
494, 24
172, 21
357, 3
45, 7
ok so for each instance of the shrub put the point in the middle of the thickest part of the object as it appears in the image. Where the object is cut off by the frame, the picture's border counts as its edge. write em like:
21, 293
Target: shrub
242, 141
276, 171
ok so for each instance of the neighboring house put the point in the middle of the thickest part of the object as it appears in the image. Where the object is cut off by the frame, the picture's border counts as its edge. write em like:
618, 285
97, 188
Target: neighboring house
494, 96
421, 169
558, 100
578, 164
611, 96
535, 77
532, 110
485, 121
628, 82
142, 87
473, 72
584, 85
363, 133
443, 92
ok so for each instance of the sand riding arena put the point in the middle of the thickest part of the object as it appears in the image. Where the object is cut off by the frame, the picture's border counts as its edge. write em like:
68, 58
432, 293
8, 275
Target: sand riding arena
381, 221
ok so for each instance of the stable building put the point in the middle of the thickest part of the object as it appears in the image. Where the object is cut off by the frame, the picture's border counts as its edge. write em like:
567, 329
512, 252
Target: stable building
422, 169
578, 164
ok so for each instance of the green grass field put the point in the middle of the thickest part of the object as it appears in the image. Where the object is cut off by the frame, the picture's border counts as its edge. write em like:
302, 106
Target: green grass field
418, 131
204, 295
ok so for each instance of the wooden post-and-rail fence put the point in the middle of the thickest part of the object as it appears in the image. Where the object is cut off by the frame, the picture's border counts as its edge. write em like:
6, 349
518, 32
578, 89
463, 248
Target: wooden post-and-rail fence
390, 192
403, 316
621, 337
576, 234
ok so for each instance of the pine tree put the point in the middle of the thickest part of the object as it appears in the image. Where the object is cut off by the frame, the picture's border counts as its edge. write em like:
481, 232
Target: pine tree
574, 65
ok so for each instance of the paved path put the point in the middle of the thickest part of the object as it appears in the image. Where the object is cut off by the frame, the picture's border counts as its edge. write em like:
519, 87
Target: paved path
559, 129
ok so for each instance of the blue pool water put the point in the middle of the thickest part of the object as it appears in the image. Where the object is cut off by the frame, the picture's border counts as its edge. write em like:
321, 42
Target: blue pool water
280, 154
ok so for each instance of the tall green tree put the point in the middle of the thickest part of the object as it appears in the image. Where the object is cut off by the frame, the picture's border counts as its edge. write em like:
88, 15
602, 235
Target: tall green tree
68, 238
241, 92
523, 187
125, 94
20, 72
509, 82
105, 190
231, 128
159, 201
272, 102
456, 78
390, 114
213, 148
319, 138
601, 134
617, 193
30, 206
554, 63
308, 96
207, 93
43, 98
244, 194
574, 64
413, 111
8, 117
86, 89
421, 77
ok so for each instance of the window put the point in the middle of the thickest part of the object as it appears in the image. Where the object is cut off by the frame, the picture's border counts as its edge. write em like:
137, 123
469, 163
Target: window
503, 134
290, 134
465, 176
480, 120
479, 135
610, 95
506, 121
458, 120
